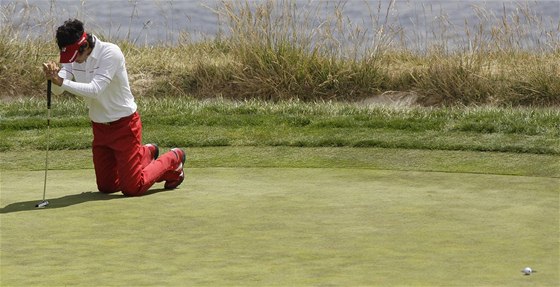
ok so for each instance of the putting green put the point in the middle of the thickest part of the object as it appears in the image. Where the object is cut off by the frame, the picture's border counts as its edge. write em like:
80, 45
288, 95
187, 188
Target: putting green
283, 227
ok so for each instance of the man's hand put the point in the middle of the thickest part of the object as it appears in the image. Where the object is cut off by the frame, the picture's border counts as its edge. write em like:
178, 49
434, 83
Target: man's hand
51, 70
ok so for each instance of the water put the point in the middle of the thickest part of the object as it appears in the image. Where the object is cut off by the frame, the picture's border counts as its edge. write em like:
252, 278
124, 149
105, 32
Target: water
418, 23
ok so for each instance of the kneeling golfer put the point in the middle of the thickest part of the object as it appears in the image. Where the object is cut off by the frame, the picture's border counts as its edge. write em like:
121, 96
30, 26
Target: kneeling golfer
96, 71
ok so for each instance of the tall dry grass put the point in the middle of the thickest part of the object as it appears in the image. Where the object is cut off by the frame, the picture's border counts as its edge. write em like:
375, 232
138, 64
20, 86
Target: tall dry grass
276, 50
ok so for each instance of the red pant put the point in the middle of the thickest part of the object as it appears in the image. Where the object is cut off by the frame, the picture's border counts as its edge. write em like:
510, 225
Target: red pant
122, 163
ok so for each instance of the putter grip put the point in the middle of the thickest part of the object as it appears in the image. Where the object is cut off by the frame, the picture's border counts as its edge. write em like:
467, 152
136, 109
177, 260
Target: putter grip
49, 84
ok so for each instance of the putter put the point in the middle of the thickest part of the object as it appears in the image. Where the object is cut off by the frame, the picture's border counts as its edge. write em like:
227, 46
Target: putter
44, 202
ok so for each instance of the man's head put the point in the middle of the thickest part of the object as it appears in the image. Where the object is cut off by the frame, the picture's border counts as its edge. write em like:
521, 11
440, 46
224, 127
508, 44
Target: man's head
73, 41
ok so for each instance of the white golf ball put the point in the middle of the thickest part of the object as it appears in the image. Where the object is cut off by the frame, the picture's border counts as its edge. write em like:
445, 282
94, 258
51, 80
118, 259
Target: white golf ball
527, 271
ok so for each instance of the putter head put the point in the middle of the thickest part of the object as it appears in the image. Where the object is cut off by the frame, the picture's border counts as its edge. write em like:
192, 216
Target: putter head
42, 204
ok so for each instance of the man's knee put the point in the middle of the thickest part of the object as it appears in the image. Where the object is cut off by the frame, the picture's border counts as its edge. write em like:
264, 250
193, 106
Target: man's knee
132, 191
107, 189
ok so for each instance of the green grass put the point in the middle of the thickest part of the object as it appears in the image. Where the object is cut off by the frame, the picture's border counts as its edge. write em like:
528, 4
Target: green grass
279, 194
300, 190
283, 227
191, 123
535, 165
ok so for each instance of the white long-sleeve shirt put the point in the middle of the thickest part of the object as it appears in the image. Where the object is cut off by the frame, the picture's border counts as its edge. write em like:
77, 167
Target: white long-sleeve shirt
102, 80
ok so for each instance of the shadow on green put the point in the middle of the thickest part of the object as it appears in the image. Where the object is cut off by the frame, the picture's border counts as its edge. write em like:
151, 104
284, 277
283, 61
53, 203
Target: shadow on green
66, 201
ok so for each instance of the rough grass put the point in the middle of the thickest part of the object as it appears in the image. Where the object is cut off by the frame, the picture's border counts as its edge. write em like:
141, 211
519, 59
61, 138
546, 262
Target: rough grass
195, 123
271, 51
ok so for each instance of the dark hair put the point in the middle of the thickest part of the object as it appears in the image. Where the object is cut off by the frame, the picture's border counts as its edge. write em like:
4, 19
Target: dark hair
70, 32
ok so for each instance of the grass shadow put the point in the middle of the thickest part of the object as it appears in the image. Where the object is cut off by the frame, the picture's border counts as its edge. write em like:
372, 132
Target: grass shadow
68, 200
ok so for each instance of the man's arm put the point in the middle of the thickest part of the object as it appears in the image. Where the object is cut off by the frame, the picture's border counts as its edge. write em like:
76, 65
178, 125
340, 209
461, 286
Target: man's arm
109, 63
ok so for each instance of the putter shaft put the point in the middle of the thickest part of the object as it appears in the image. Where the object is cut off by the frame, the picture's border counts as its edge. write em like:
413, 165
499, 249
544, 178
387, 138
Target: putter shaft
47, 154
44, 202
